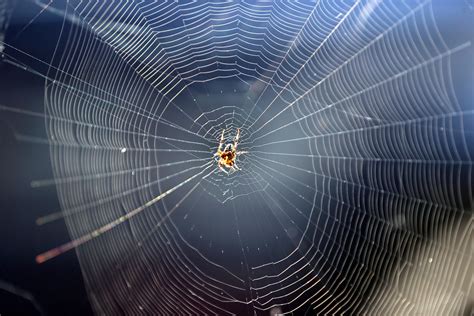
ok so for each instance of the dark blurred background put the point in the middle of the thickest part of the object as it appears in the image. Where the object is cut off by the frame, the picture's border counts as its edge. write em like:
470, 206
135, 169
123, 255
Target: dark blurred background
56, 287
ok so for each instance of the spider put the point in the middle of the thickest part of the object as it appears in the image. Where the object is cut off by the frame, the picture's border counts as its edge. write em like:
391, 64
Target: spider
226, 157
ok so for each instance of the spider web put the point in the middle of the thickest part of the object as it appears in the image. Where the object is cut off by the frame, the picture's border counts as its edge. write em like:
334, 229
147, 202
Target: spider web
354, 196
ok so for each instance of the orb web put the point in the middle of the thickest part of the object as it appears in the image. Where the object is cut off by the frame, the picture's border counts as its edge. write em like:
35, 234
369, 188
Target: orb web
352, 193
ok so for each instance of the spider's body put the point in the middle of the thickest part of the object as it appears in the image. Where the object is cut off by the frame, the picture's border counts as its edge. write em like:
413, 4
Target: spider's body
226, 156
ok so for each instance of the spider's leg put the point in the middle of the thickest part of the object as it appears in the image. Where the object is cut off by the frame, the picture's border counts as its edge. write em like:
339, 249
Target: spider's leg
223, 170
236, 139
221, 142
221, 166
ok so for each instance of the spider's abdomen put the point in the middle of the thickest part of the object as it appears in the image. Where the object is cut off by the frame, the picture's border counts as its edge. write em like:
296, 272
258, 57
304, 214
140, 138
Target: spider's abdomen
227, 158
